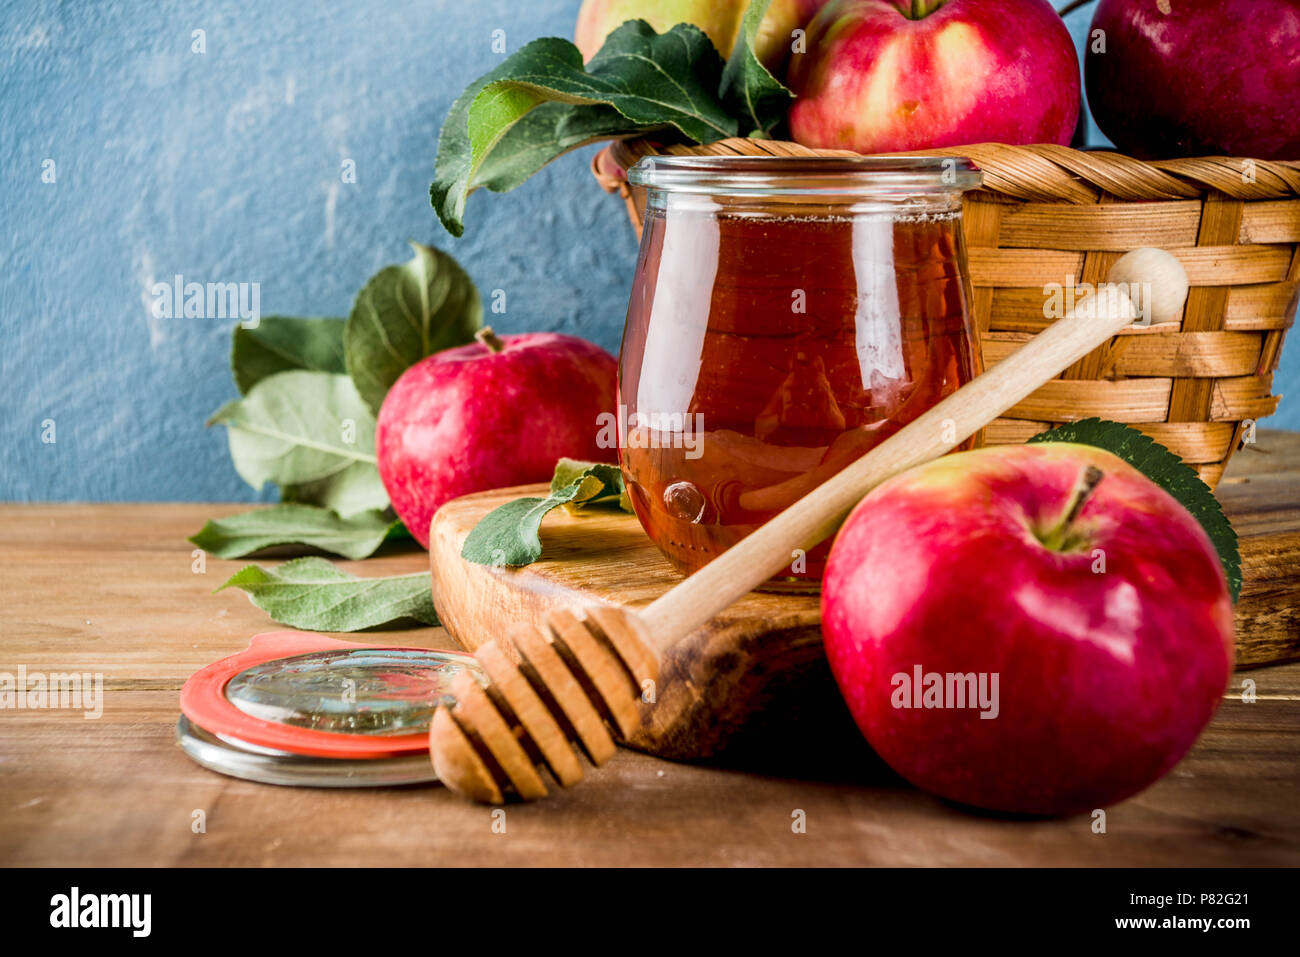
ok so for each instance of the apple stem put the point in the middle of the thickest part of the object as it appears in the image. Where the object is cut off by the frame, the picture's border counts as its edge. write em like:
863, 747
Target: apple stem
490, 339
923, 8
1088, 483
1058, 538
1071, 7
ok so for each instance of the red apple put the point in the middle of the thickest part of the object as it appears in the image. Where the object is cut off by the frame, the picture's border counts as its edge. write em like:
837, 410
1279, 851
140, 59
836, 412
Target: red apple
1108, 631
1196, 77
490, 414
884, 76
720, 19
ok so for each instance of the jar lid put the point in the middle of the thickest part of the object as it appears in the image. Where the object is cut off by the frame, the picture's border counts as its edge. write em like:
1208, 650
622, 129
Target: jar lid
294, 702
883, 176
239, 759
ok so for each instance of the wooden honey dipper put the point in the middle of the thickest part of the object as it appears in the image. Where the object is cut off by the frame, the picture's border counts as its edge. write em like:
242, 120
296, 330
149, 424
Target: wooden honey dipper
576, 679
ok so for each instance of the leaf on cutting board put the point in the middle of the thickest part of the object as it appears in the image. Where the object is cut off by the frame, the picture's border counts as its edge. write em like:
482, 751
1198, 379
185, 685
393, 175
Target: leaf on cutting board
316, 595
1169, 472
748, 88
282, 344
599, 483
311, 434
289, 524
508, 535
404, 313
542, 102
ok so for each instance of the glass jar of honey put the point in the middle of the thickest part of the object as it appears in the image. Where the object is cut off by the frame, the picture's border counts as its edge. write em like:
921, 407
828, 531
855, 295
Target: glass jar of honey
787, 315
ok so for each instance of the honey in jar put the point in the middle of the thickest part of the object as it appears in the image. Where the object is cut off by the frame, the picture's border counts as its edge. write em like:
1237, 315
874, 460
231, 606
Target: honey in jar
786, 316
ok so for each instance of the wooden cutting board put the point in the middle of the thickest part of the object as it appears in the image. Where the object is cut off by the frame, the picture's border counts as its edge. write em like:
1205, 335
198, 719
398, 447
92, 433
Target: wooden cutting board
756, 675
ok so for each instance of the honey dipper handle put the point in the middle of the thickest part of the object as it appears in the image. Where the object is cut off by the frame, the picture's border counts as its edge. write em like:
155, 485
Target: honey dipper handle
762, 554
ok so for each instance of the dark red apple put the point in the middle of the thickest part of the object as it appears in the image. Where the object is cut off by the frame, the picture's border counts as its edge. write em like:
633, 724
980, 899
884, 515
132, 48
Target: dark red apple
1096, 623
491, 414
1196, 77
884, 76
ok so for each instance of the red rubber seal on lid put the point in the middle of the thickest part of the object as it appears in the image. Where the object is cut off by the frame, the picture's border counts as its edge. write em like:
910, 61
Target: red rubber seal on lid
204, 702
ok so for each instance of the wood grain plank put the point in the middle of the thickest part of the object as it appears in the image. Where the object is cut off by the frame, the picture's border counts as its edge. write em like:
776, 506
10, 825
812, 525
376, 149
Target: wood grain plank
982, 222
1222, 265
1196, 354
113, 589
1096, 266
1206, 308
1111, 226
1270, 221
1242, 397
1264, 306
1124, 400
1026, 310
117, 790
1209, 265
1193, 442
1022, 267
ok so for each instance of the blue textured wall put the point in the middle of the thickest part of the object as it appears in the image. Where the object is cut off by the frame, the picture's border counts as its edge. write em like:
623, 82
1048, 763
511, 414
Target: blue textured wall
225, 166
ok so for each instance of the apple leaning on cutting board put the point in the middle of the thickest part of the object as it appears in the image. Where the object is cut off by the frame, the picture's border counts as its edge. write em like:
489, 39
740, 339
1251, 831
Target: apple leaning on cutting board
489, 415
1037, 629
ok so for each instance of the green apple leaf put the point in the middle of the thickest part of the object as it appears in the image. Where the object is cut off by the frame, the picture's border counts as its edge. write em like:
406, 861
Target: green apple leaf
283, 343
542, 102
748, 88
357, 488
509, 534
316, 595
310, 433
404, 313
398, 532
1169, 472
598, 483
544, 134
290, 524
653, 79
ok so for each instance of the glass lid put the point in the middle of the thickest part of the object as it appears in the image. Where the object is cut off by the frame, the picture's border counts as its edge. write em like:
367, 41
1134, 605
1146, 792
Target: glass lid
383, 691
807, 175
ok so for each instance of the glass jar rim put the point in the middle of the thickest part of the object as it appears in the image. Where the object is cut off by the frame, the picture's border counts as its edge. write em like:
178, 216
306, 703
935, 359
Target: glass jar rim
807, 175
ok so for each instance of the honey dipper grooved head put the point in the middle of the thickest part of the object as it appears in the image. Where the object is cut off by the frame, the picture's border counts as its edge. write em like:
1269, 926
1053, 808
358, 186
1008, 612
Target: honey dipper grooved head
457, 764
476, 710
534, 719
538, 649
550, 688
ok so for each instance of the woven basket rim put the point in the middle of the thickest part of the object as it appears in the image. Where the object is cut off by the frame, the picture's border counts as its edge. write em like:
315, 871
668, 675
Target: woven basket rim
1036, 173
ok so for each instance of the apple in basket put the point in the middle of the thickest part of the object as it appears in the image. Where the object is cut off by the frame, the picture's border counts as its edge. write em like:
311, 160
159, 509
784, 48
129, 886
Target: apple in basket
491, 414
720, 19
1037, 629
884, 76
1197, 77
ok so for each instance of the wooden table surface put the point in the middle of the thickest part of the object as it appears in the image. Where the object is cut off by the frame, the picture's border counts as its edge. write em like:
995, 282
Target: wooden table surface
113, 589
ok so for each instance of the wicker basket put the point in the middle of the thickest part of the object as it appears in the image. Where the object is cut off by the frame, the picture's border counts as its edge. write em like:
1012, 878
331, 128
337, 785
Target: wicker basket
1047, 212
